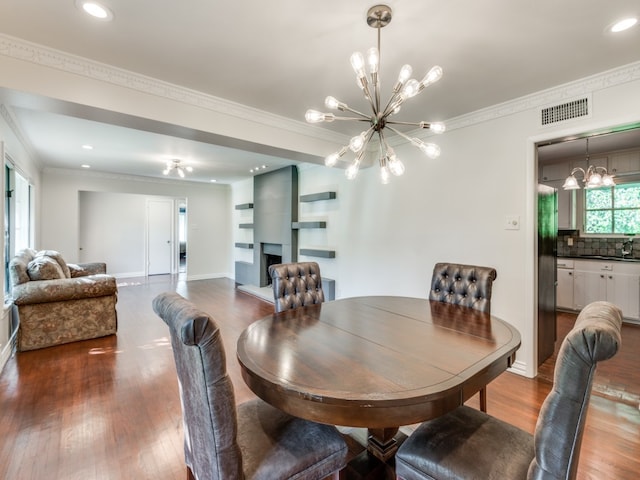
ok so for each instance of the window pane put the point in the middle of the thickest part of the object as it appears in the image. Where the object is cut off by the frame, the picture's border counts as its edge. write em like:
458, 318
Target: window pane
626, 196
627, 221
598, 198
599, 221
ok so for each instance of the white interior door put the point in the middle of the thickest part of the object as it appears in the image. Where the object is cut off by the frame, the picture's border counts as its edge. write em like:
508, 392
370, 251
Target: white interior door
160, 236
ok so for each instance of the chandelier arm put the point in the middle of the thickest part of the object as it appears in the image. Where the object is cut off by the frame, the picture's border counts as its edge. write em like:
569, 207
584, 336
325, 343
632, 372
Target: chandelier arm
387, 109
398, 132
346, 107
357, 119
415, 124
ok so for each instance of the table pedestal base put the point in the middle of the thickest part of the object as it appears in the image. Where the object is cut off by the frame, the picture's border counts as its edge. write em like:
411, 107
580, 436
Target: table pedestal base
381, 443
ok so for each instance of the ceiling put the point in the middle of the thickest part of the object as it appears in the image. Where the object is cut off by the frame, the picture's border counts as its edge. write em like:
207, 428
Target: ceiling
285, 56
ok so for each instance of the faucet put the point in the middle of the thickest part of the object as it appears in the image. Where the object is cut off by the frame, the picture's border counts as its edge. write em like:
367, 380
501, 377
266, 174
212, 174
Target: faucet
627, 247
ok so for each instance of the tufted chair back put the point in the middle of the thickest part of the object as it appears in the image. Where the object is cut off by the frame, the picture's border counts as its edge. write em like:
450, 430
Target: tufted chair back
207, 396
596, 336
466, 285
296, 285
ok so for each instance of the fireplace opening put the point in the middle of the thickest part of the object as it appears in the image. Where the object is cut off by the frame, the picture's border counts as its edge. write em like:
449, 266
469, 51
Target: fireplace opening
271, 255
268, 261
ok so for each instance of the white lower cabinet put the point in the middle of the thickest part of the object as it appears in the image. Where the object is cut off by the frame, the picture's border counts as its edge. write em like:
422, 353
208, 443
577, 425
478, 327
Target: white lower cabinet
564, 292
615, 282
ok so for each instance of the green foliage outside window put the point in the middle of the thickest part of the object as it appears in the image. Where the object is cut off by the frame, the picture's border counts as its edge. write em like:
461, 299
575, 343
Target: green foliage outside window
613, 209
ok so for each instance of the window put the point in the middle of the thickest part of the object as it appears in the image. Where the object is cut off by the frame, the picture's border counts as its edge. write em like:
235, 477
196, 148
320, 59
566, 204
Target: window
613, 209
18, 218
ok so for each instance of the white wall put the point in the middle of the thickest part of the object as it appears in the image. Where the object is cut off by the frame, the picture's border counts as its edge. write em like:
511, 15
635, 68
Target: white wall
208, 212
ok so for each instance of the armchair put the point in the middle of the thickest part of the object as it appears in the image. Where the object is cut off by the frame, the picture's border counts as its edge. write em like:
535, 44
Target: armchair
55, 302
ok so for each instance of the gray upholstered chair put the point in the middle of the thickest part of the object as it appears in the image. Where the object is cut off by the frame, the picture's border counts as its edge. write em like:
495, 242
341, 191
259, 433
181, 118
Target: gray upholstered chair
468, 444
466, 285
250, 441
296, 285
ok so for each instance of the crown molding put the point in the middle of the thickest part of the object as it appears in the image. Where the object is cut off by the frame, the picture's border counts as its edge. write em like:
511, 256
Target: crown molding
558, 94
15, 128
23, 50
38, 54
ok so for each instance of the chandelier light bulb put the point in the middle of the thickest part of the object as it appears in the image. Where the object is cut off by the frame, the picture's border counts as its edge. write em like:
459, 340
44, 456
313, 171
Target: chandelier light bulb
431, 150
384, 174
357, 143
607, 180
333, 103
437, 127
373, 60
431, 77
411, 89
314, 116
180, 172
165, 171
396, 166
595, 180
357, 62
352, 171
405, 74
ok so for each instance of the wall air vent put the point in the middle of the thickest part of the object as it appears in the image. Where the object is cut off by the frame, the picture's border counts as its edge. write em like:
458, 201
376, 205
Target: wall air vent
565, 111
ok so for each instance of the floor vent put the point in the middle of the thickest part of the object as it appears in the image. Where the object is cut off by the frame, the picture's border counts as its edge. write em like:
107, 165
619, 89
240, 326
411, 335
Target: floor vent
566, 111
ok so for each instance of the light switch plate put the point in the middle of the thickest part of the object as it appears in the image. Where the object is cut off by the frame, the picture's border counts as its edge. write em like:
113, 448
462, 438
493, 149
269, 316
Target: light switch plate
512, 222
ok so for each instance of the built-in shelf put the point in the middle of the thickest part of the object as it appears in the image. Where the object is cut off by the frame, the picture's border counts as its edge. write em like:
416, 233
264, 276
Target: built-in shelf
244, 206
244, 245
318, 253
298, 225
316, 197
246, 225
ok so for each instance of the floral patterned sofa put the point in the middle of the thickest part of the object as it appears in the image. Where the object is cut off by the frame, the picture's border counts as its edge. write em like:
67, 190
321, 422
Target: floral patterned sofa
58, 303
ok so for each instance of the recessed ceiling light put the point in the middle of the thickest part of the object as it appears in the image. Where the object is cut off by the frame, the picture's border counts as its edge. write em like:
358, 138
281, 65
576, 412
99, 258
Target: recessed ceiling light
623, 24
85, 166
95, 9
87, 147
213, 180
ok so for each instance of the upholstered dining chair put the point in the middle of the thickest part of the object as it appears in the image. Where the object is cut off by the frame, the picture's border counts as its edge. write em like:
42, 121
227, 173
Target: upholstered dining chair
250, 441
469, 444
296, 285
466, 285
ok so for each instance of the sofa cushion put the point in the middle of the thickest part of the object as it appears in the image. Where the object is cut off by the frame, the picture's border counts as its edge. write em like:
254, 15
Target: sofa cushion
44, 268
55, 255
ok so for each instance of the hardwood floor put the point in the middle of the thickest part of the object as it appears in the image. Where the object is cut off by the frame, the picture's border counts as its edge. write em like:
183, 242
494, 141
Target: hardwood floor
109, 408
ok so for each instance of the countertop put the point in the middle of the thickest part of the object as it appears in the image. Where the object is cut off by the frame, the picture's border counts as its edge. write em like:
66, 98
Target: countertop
601, 257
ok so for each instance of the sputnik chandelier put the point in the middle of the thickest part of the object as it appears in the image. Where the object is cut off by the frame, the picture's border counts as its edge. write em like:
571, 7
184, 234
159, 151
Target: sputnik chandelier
380, 119
176, 165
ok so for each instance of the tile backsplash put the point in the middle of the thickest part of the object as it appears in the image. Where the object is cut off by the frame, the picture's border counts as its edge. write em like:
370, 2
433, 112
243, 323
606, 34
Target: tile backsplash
610, 247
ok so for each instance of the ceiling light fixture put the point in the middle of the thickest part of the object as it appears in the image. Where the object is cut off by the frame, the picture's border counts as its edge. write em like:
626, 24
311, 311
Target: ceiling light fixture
594, 177
96, 10
624, 24
377, 17
178, 167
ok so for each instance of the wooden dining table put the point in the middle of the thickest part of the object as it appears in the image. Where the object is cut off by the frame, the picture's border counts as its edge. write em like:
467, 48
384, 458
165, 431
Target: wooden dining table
378, 362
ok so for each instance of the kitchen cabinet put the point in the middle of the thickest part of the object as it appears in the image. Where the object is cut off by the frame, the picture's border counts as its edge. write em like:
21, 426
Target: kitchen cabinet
624, 162
564, 291
554, 171
615, 282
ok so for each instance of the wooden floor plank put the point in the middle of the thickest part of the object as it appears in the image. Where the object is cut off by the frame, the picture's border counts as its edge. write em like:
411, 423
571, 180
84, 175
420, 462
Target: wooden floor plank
109, 408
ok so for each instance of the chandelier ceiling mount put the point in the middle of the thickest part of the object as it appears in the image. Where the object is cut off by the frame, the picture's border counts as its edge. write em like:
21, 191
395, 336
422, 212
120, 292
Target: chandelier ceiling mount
381, 119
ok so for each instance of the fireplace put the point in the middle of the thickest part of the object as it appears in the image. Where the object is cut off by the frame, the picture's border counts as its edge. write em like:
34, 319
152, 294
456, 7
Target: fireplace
271, 255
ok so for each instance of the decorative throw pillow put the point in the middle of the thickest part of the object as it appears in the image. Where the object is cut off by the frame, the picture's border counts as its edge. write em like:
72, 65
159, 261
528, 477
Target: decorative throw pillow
44, 268
58, 258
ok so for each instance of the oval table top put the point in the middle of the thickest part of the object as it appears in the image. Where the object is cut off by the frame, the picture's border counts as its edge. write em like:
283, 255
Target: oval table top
377, 361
